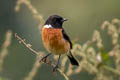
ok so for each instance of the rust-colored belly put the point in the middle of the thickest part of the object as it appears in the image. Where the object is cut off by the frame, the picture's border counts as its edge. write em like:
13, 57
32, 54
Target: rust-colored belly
54, 42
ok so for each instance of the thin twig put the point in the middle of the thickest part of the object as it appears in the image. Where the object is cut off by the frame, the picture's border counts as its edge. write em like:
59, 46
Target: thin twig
34, 70
38, 54
27, 45
33, 10
62, 73
4, 50
111, 69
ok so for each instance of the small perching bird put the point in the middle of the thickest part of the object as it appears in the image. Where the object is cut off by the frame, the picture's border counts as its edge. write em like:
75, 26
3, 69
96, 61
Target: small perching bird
55, 39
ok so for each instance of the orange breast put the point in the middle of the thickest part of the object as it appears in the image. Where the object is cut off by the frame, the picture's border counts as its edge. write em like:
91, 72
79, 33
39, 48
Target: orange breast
54, 42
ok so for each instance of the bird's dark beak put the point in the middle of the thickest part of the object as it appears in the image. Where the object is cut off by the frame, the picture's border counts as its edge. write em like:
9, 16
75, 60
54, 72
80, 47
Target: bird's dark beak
65, 19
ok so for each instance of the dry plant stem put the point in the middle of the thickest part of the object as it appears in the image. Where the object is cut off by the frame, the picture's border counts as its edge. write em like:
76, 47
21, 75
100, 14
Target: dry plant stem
112, 70
27, 45
38, 54
65, 76
70, 70
4, 50
34, 70
63, 63
34, 11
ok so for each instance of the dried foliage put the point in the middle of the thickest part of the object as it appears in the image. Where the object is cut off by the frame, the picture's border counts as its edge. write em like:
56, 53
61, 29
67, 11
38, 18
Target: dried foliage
37, 63
92, 61
92, 56
33, 10
4, 50
33, 72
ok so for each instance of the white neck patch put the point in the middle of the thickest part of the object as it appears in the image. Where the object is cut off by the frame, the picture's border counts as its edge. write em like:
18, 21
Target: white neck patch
48, 26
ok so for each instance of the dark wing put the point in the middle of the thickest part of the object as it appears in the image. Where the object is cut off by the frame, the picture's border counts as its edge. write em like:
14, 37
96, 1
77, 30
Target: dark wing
66, 37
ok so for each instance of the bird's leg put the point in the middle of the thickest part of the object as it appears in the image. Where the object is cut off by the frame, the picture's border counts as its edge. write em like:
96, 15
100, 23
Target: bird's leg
55, 68
45, 57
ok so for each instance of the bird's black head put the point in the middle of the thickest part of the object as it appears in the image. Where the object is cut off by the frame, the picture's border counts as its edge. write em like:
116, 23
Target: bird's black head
55, 21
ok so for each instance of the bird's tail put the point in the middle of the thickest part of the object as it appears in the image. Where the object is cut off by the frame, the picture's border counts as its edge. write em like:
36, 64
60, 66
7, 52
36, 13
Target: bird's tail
72, 59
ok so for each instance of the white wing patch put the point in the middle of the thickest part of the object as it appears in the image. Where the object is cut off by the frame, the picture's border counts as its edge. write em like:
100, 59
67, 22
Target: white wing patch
48, 26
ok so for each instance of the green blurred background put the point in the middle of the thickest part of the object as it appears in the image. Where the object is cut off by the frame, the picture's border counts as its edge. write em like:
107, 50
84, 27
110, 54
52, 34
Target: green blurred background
84, 17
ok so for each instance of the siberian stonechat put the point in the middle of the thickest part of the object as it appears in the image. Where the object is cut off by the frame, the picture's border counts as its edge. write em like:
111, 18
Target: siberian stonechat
55, 39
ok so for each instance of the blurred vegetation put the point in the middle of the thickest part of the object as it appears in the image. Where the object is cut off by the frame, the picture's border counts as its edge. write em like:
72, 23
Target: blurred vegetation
98, 50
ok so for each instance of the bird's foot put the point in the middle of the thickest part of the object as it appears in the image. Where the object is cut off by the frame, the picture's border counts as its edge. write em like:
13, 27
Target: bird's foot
55, 68
44, 59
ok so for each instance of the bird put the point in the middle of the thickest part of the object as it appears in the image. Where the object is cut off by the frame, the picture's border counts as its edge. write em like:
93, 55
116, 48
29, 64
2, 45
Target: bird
55, 39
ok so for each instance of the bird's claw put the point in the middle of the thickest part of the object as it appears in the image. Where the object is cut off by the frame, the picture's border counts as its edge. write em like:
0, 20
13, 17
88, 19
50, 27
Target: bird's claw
44, 59
55, 68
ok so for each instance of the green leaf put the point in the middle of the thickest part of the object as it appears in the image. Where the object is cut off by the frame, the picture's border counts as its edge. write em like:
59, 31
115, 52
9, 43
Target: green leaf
104, 55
